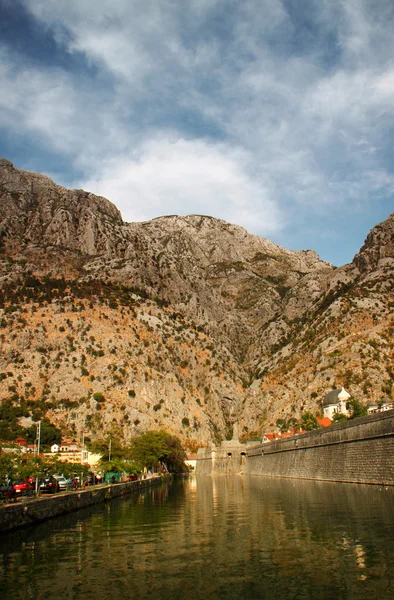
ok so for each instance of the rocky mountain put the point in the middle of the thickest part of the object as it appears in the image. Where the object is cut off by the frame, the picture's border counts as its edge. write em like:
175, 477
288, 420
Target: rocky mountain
185, 322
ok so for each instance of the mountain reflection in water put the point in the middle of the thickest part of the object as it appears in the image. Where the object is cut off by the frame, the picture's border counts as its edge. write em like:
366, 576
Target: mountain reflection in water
230, 537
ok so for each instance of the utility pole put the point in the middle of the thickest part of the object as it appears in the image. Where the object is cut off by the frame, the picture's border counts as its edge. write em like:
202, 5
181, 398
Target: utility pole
109, 448
38, 451
38, 437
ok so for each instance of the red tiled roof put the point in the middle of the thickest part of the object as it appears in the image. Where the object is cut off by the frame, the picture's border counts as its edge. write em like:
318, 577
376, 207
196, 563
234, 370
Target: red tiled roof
324, 422
20, 441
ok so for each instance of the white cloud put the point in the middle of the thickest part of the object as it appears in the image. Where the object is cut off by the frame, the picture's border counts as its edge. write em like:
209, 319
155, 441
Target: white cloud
51, 106
182, 177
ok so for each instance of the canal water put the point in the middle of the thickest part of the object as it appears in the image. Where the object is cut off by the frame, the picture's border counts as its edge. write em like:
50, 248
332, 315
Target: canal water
222, 537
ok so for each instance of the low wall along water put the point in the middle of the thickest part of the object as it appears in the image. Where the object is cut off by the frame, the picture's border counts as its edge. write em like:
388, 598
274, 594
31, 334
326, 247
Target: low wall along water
24, 513
357, 451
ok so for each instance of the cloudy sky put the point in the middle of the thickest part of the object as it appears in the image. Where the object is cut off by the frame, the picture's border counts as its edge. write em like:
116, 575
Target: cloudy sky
277, 115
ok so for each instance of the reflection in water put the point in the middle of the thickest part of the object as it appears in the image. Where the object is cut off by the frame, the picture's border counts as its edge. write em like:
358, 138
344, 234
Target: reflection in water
208, 537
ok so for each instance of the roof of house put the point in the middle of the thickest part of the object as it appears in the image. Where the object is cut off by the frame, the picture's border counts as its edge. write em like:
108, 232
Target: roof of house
270, 436
335, 396
324, 422
372, 403
387, 400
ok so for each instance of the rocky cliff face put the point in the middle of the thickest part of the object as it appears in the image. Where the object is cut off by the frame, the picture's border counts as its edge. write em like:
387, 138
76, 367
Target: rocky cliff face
37, 212
208, 322
377, 253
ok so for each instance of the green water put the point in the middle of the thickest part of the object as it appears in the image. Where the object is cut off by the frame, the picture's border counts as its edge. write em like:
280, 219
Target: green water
212, 538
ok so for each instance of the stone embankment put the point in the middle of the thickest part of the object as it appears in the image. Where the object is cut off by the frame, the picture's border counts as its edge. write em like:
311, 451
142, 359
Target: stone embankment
27, 512
357, 451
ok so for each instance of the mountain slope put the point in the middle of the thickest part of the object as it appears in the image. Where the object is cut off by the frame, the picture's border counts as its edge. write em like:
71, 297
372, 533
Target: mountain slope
228, 324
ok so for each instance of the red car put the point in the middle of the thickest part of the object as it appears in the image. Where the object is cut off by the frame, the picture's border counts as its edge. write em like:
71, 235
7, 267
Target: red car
24, 486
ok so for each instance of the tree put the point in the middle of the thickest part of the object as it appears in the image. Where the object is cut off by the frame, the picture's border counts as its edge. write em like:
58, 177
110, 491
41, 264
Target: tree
308, 421
110, 448
148, 449
293, 423
50, 434
282, 425
175, 459
118, 465
356, 408
7, 466
339, 417
154, 447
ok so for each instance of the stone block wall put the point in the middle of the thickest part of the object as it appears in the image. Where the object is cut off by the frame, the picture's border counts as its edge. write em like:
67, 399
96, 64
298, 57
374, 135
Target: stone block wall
359, 451
228, 458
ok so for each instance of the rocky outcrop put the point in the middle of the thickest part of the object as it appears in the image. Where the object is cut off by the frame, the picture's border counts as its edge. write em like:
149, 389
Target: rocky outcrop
378, 249
37, 212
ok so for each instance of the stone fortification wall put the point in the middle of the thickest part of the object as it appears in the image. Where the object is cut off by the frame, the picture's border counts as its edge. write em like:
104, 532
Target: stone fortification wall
227, 458
359, 451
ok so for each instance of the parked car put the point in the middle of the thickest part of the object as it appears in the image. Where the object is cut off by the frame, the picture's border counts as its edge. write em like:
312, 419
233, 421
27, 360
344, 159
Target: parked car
24, 486
62, 481
49, 484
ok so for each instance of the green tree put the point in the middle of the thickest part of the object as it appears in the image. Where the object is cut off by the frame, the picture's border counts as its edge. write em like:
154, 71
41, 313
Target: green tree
339, 417
175, 459
50, 434
154, 447
7, 466
282, 425
356, 408
119, 465
109, 447
308, 421
293, 423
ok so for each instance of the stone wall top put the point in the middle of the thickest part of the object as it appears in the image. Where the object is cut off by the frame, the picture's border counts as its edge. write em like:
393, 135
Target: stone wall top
371, 426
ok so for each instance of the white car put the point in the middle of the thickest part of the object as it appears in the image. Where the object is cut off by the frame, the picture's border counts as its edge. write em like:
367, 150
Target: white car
62, 481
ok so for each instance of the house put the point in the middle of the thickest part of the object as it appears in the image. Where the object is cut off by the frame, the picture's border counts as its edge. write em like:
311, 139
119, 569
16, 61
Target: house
55, 448
386, 404
269, 437
372, 407
335, 403
66, 447
20, 441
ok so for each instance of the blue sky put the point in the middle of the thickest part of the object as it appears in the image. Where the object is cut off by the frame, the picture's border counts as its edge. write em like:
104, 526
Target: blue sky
275, 115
